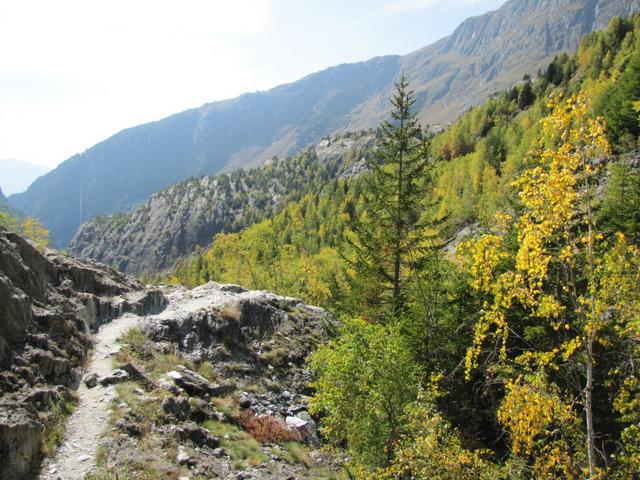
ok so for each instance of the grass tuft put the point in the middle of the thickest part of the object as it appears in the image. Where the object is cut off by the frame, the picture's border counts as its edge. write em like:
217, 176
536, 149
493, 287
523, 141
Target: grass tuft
243, 449
54, 424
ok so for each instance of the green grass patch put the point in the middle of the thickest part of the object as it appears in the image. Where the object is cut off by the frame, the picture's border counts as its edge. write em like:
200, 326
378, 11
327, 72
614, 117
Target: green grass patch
139, 349
54, 423
146, 408
276, 357
243, 449
296, 452
226, 405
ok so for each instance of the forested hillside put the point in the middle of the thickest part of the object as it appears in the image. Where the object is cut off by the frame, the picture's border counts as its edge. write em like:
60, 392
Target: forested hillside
183, 218
473, 163
487, 278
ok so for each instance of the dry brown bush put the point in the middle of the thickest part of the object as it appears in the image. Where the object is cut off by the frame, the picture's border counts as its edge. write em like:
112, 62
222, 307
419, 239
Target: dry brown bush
267, 428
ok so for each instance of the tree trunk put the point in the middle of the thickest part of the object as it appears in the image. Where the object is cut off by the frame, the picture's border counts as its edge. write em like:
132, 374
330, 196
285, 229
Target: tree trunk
591, 326
397, 307
588, 410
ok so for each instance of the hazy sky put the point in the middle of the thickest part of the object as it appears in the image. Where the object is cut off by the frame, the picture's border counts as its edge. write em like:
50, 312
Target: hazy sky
74, 72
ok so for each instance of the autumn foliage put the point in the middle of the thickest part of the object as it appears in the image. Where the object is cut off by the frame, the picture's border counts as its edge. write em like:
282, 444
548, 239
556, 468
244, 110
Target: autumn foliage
515, 353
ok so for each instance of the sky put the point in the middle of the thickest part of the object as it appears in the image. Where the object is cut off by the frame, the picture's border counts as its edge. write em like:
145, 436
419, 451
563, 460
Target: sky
75, 72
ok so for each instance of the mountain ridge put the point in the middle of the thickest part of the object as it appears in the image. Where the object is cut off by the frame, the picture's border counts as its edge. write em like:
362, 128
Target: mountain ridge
5, 206
482, 55
176, 221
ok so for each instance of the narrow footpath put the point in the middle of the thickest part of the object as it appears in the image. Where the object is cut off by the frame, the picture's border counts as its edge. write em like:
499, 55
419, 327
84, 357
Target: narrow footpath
76, 455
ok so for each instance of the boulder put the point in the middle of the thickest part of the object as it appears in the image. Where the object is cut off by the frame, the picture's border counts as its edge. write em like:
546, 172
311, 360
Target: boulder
138, 375
303, 423
219, 452
91, 380
178, 408
115, 376
197, 435
43, 398
20, 447
245, 400
191, 382
195, 384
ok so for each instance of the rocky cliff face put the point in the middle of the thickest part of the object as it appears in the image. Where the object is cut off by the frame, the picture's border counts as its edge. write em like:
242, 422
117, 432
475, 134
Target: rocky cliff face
49, 302
181, 218
483, 55
211, 382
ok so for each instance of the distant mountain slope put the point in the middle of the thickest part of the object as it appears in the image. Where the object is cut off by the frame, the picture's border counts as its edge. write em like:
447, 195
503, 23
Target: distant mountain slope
177, 220
16, 175
483, 55
493, 51
6, 207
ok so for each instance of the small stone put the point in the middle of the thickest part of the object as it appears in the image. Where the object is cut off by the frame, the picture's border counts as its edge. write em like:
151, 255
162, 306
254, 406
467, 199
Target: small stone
182, 457
91, 380
245, 400
219, 452
84, 458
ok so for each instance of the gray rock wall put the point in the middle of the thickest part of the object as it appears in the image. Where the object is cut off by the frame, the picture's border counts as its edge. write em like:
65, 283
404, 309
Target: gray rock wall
48, 304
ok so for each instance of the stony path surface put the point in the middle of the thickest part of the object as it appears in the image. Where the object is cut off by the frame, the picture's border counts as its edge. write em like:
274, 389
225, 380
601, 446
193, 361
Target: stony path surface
76, 456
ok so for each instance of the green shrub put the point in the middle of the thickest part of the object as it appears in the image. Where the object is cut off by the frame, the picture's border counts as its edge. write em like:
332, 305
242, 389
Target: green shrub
365, 378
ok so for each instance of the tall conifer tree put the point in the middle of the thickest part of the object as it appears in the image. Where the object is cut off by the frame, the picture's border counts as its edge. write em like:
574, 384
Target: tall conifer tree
389, 239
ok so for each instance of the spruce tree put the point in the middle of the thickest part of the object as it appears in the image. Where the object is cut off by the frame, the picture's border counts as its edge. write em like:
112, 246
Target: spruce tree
390, 239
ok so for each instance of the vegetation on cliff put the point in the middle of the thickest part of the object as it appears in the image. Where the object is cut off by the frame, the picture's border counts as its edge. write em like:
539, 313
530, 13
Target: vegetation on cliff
513, 355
